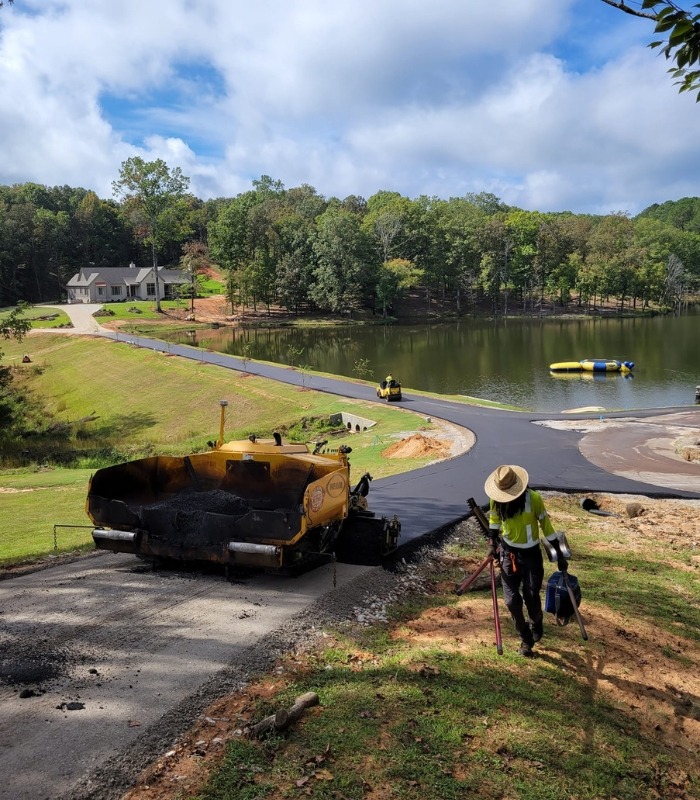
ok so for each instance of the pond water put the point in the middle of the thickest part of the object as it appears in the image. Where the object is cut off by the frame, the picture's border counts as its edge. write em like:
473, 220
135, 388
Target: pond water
502, 360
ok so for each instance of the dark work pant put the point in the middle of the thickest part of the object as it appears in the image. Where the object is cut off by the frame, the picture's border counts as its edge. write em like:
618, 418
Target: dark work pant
523, 570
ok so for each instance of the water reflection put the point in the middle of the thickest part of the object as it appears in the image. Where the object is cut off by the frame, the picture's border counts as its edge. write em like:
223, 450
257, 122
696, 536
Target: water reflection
590, 376
506, 361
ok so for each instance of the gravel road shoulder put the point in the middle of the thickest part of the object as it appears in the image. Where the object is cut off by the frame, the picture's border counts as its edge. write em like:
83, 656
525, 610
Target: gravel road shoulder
110, 780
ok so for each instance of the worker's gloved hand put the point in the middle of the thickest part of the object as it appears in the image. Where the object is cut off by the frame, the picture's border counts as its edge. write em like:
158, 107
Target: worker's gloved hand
562, 563
493, 548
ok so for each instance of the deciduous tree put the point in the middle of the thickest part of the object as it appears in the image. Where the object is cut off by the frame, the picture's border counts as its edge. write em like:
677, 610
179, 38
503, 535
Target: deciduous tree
395, 276
15, 325
681, 41
194, 260
341, 251
151, 188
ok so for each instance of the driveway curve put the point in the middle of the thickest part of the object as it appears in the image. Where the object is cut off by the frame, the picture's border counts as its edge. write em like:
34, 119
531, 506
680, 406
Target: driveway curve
560, 457
81, 316
430, 498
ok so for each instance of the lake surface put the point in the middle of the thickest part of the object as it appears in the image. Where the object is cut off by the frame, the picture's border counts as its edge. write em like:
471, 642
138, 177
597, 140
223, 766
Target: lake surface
502, 360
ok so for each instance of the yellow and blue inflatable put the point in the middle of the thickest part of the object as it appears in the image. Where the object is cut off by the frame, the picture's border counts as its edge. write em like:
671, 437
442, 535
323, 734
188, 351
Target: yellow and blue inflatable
593, 365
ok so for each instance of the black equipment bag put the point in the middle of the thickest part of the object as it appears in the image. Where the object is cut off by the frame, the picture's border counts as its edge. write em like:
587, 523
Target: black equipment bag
557, 600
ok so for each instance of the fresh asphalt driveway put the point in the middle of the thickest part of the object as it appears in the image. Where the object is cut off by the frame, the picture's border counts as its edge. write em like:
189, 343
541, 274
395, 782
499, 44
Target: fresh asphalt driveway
431, 498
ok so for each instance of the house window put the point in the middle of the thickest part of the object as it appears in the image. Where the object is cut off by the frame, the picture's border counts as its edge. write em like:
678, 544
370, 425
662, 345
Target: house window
151, 289
116, 291
101, 291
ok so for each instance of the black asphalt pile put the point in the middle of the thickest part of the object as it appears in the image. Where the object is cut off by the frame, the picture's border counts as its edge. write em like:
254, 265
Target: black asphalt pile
29, 663
195, 519
31, 670
216, 501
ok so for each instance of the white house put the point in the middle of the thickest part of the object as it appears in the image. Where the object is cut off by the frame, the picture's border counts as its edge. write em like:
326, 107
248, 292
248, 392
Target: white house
112, 284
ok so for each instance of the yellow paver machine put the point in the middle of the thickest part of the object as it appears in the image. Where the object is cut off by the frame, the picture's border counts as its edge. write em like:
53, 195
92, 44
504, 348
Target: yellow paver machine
251, 503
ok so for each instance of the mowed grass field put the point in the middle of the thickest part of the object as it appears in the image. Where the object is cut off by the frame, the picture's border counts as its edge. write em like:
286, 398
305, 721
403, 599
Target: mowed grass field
109, 397
42, 317
32, 503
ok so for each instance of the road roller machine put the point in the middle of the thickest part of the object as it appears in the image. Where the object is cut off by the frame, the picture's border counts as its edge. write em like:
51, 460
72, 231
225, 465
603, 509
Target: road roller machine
255, 502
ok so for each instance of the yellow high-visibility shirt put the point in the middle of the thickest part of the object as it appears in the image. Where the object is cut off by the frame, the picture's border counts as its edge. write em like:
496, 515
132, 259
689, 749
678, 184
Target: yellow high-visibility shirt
521, 530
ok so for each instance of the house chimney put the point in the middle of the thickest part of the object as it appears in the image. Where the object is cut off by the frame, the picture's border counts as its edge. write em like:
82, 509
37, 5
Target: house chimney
132, 265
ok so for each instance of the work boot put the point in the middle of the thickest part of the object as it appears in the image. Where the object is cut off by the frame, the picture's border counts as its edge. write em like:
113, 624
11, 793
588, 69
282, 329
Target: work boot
525, 649
537, 630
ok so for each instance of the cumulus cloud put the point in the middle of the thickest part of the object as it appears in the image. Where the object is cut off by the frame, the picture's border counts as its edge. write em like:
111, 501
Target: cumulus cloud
550, 104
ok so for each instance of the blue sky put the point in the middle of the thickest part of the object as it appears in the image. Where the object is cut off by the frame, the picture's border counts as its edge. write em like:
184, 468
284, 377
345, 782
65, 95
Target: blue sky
549, 104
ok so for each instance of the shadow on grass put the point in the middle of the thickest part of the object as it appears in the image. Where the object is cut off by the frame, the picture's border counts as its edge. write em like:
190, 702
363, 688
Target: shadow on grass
122, 427
105, 441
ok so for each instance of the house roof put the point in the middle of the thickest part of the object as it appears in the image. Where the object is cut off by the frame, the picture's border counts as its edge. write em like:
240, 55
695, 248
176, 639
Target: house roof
124, 275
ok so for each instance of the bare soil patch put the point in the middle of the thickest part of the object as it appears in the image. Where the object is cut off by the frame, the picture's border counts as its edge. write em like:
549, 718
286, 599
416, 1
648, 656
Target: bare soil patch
419, 446
688, 447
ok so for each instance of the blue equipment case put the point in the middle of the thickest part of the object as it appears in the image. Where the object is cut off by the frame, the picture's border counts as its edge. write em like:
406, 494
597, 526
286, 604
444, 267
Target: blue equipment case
557, 600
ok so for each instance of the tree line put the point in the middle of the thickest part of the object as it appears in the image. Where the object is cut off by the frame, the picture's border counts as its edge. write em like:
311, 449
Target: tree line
299, 250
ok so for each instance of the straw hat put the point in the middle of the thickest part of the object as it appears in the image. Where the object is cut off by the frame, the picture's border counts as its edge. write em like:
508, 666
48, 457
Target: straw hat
506, 483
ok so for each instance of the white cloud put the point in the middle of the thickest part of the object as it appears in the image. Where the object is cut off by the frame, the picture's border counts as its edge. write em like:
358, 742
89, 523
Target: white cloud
550, 104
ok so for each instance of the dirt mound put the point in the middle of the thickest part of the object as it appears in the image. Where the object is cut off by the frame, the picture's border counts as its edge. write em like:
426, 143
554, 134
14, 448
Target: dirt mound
418, 446
688, 447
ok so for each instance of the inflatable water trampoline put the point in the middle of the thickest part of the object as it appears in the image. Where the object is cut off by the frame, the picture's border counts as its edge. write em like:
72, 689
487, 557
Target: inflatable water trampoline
593, 365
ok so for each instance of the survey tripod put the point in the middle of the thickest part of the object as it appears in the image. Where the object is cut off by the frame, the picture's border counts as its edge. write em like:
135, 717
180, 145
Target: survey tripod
487, 562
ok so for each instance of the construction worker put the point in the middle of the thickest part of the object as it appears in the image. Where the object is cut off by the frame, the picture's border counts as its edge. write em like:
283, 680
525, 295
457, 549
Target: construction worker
515, 514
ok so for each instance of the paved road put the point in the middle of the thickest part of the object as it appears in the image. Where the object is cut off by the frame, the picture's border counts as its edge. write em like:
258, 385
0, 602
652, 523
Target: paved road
435, 496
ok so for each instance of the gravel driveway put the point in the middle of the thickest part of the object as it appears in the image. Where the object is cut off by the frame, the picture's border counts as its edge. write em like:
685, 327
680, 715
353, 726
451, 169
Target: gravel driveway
103, 662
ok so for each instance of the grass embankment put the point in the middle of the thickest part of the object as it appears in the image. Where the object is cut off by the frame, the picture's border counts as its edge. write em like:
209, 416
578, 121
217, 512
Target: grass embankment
32, 502
43, 317
97, 402
421, 705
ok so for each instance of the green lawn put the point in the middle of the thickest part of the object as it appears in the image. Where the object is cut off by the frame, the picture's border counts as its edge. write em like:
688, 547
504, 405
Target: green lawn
32, 503
113, 395
137, 309
212, 286
43, 317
